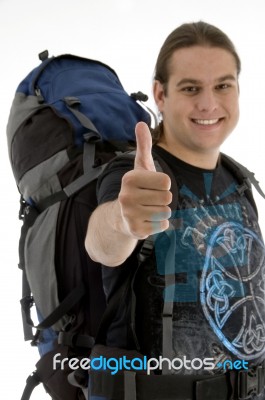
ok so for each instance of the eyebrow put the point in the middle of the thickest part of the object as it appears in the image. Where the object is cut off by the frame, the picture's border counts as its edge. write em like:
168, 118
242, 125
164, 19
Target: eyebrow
192, 81
228, 77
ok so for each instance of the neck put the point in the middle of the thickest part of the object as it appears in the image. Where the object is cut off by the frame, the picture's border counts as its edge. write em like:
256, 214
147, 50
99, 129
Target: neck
203, 159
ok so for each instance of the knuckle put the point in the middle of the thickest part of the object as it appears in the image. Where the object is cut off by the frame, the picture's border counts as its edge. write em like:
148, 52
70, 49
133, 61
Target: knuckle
128, 179
164, 225
124, 198
168, 197
167, 212
163, 213
165, 181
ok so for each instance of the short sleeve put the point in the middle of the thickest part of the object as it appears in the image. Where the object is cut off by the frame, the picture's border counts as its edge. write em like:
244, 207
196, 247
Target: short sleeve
109, 182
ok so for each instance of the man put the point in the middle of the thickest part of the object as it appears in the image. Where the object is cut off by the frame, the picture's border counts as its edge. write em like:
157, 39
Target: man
212, 288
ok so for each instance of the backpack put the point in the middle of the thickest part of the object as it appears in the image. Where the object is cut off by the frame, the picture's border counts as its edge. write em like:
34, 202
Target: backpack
69, 117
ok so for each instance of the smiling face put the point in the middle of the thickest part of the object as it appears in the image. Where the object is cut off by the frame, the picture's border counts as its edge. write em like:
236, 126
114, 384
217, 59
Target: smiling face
199, 104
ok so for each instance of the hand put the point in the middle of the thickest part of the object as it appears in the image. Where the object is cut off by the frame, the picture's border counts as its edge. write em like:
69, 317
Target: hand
145, 193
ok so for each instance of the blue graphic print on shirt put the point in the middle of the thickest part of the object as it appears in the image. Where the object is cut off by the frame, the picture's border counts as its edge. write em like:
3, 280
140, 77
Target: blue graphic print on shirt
222, 268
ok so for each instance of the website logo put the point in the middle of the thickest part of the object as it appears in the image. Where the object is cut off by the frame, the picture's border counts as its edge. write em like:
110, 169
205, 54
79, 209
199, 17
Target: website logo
115, 365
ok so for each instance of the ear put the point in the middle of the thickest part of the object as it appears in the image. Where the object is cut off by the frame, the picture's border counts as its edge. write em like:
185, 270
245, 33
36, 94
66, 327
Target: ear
159, 95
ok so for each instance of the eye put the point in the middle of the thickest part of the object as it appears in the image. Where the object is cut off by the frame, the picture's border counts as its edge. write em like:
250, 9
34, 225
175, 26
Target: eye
223, 86
190, 89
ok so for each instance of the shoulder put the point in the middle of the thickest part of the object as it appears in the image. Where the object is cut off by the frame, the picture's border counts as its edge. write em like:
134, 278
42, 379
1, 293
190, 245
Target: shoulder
109, 182
244, 178
118, 166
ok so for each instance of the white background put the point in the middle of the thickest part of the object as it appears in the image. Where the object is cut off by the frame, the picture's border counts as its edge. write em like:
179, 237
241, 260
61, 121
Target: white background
127, 35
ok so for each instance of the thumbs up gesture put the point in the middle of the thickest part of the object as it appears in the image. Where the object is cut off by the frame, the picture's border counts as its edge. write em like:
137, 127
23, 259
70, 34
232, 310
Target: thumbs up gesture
145, 193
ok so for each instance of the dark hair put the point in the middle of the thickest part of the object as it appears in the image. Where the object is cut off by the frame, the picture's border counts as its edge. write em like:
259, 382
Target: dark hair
188, 35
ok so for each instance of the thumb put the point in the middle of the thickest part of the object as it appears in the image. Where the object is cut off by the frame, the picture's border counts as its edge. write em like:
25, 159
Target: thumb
143, 157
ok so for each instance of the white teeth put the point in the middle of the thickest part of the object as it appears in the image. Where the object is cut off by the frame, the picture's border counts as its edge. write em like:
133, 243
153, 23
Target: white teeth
206, 121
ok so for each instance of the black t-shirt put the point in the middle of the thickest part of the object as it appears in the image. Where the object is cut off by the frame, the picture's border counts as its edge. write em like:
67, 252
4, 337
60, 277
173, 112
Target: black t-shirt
219, 285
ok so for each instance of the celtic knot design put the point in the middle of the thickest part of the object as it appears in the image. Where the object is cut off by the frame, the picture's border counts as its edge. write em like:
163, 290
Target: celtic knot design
219, 292
253, 336
232, 289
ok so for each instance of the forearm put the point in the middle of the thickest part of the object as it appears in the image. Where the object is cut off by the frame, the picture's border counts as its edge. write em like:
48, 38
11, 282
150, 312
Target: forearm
107, 241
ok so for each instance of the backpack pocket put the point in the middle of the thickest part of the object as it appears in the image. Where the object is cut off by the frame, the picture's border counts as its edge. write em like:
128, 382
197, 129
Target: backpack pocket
39, 253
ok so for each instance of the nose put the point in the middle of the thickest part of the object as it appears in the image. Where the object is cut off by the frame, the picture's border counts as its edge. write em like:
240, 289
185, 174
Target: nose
207, 101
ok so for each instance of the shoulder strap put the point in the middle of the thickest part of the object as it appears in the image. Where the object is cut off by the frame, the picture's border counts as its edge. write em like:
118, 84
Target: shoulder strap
241, 171
144, 253
112, 308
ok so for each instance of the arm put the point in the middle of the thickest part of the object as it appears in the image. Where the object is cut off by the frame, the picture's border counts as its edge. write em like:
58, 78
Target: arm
107, 241
140, 210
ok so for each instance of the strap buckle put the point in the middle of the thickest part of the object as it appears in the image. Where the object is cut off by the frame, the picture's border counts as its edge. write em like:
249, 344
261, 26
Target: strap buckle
246, 185
27, 302
146, 249
250, 383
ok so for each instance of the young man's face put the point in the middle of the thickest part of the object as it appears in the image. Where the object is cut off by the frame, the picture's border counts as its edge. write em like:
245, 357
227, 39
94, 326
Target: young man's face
200, 108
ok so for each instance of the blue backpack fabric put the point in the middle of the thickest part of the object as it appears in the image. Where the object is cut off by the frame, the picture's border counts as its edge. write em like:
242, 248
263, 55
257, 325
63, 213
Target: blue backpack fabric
69, 117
